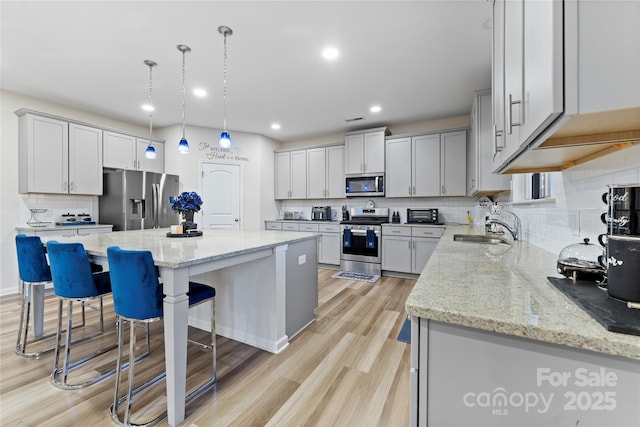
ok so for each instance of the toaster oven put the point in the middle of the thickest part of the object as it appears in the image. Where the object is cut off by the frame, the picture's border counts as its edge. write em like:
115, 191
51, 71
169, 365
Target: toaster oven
422, 216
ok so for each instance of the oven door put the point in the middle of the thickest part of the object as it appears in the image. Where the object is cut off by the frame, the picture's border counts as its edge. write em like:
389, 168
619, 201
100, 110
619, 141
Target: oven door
360, 247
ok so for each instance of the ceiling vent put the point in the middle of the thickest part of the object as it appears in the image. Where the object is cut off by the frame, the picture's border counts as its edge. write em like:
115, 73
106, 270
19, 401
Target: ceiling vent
355, 119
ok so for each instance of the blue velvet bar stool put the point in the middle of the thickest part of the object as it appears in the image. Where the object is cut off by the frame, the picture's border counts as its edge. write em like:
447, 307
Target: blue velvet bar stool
33, 271
137, 298
73, 281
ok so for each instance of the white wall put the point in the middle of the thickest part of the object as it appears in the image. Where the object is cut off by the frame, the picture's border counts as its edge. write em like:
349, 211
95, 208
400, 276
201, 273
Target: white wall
254, 154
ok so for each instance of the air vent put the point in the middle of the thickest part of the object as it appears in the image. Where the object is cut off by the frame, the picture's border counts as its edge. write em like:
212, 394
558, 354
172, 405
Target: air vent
355, 119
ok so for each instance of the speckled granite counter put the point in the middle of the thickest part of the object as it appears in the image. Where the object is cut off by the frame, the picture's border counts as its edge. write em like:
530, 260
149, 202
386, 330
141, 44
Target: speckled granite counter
477, 286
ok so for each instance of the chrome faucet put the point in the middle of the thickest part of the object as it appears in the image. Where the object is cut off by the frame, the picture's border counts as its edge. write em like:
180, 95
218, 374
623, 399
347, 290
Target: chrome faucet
515, 229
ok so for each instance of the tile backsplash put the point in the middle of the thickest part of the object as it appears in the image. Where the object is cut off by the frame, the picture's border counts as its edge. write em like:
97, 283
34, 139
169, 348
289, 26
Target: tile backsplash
56, 205
574, 211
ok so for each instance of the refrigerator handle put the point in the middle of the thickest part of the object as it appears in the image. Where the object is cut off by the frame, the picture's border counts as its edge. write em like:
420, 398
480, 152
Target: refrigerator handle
156, 218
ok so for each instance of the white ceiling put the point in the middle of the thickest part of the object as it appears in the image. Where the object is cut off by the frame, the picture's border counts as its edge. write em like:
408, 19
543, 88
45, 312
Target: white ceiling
419, 60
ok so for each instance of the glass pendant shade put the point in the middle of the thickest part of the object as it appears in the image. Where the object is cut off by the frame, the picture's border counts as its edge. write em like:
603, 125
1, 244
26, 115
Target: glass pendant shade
183, 146
150, 152
225, 140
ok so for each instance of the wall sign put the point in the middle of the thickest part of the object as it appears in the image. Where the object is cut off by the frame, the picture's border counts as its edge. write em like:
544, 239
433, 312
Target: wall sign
213, 152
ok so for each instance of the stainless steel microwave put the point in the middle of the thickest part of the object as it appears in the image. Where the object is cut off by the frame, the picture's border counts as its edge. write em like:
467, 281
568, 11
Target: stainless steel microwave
364, 185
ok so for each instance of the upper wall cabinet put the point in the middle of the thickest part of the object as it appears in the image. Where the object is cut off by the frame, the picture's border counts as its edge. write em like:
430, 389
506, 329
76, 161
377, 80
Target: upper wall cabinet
325, 172
429, 165
364, 151
565, 82
480, 147
291, 175
58, 157
123, 151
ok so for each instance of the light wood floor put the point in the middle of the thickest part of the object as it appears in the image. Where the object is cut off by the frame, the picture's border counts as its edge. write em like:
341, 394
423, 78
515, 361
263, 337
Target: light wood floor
345, 369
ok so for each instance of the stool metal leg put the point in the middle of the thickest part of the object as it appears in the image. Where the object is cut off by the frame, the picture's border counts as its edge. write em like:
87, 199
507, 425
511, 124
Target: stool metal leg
23, 327
60, 373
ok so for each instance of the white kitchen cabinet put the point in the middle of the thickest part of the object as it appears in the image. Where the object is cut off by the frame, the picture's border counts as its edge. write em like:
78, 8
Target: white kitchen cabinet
291, 174
325, 172
571, 88
364, 151
150, 165
480, 148
127, 152
119, 151
435, 165
407, 249
273, 225
58, 157
330, 244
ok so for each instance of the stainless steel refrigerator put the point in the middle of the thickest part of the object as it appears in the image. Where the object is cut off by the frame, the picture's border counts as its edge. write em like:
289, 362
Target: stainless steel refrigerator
133, 200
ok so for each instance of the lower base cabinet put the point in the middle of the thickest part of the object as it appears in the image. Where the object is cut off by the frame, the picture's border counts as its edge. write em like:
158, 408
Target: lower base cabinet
329, 245
407, 249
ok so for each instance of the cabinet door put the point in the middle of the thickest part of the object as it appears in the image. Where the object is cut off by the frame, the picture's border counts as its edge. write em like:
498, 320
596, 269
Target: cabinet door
396, 253
316, 173
150, 165
398, 172
422, 250
454, 163
298, 179
486, 181
354, 153
472, 150
47, 155
335, 172
426, 165
374, 152
119, 151
330, 248
282, 172
85, 160
497, 85
513, 46
542, 67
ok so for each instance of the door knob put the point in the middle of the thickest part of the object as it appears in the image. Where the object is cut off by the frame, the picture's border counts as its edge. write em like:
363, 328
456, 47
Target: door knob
236, 220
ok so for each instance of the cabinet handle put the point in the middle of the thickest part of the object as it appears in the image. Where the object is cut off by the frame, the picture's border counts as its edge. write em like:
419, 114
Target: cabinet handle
497, 134
409, 190
409, 244
444, 191
414, 190
64, 186
510, 114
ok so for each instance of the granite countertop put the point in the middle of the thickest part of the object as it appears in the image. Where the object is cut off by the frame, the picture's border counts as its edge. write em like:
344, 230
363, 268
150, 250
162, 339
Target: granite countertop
61, 227
176, 252
314, 221
504, 289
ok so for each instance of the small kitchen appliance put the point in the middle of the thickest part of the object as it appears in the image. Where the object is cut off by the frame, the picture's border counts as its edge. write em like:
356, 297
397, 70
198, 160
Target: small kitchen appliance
75, 219
623, 274
321, 213
364, 185
422, 216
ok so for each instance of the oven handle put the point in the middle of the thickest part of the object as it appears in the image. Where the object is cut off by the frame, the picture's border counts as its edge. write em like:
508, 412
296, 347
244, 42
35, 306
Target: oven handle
363, 232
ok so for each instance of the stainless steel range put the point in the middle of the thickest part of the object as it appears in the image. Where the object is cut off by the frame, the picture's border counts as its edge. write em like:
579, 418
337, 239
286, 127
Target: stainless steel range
361, 240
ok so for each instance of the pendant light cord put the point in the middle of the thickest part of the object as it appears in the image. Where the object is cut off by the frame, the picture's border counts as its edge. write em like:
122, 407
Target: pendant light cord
184, 114
150, 101
224, 117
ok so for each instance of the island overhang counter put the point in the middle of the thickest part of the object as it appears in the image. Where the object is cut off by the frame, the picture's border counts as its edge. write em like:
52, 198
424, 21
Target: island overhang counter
494, 343
261, 268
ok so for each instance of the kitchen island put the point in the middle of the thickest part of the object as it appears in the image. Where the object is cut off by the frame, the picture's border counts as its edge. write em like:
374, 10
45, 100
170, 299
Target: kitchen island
261, 270
495, 344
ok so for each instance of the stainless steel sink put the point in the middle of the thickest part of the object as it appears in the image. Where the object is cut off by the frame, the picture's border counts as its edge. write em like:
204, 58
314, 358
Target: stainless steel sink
482, 238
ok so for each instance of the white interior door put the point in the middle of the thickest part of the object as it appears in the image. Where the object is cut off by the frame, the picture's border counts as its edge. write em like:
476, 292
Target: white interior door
221, 195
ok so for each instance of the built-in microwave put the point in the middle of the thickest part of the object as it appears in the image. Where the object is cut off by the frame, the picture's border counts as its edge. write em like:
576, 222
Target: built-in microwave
364, 185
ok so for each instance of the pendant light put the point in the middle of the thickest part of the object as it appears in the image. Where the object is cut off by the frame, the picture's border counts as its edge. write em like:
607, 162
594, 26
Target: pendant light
150, 152
183, 145
225, 138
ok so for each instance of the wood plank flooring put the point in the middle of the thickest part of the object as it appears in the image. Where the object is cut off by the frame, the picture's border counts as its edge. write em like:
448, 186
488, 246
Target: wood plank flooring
345, 369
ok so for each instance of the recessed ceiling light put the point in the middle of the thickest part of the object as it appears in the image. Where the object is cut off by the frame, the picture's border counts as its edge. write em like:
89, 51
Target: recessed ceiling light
275, 126
375, 109
199, 92
330, 53
148, 108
